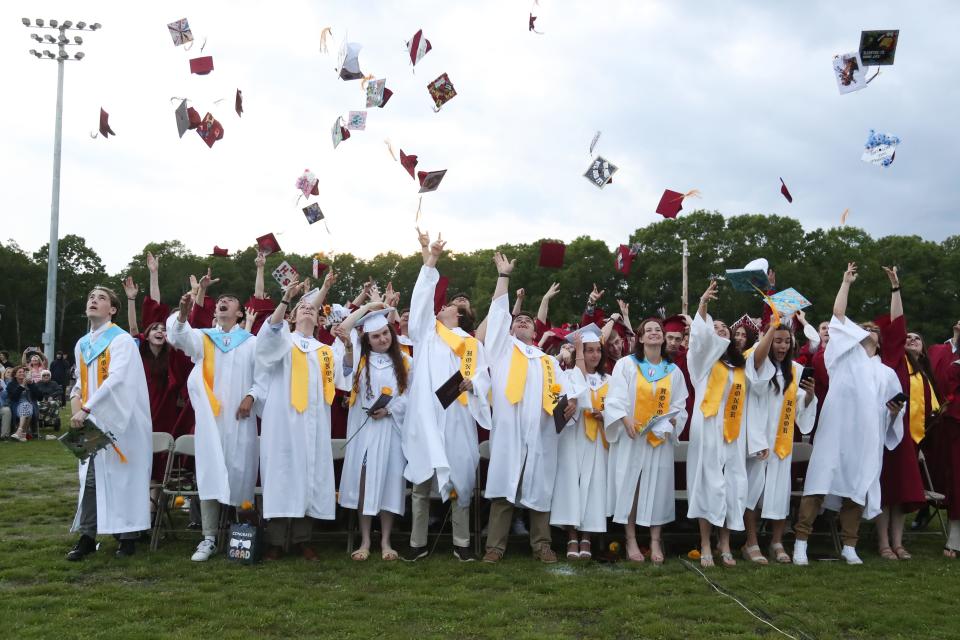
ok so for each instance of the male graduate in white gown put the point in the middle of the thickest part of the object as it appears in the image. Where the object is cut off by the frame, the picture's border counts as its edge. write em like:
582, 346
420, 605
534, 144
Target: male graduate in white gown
526, 385
221, 389
442, 443
111, 391
860, 416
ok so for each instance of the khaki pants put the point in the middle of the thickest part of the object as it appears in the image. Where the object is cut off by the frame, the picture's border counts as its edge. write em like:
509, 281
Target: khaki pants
6, 419
498, 528
850, 514
420, 502
300, 530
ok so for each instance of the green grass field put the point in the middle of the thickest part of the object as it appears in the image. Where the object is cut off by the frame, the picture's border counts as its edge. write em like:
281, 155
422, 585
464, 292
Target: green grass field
163, 594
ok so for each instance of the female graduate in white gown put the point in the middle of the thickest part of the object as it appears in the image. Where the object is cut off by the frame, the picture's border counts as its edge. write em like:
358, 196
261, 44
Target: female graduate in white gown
299, 375
372, 479
719, 440
644, 385
773, 409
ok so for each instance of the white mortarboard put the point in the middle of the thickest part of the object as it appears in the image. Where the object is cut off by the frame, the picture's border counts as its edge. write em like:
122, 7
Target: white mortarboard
588, 333
338, 313
311, 296
374, 321
760, 264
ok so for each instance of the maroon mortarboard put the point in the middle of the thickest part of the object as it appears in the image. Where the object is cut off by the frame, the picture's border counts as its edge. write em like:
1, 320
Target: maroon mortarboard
624, 259
417, 47
268, 244
194, 117
440, 293
105, 129
671, 202
201, 66
409, 163
551, 254
430, 180
674, 324
441, 90
558, 338
210, 130
386, 96
238, 103
221, 253
785, 191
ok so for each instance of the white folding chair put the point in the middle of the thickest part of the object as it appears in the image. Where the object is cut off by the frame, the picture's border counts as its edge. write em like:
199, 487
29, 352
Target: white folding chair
162, 444
680, 456
935, 499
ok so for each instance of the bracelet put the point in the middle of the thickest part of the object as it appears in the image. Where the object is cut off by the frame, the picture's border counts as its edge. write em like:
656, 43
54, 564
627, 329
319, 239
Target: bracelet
504, 275
85, 410
287, 302
895, 289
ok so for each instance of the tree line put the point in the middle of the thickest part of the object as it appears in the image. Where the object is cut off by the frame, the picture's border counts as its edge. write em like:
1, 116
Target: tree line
810, 261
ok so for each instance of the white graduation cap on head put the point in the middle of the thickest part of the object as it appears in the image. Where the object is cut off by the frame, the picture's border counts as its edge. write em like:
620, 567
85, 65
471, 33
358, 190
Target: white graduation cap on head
588, 333
374, 321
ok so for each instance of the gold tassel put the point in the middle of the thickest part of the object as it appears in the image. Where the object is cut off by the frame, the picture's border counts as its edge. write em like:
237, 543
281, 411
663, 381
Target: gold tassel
323, 38
123, 458
693, 193
364, 80
390, 149
418, 210
843, 217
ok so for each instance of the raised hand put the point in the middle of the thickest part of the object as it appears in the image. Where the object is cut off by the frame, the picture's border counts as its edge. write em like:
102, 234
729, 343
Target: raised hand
521, 293
552, 291
260, 260
624, 308
710, 293
207, 280
249, 319
367, 286
436, 248
595, 295
424, 238
504, 266
850, 275
330, 279
153, 263
186, 302
375, 294
801, 316
291, 290
892, 275
130, 288
194, 284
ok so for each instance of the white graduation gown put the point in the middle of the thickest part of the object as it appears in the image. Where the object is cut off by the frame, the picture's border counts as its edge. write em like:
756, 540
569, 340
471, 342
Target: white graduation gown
523, 439
296, 460
769, 481
716, 469
438, 441
580, 493
635, 460
122, 407
226, 448
378, 446
855, 423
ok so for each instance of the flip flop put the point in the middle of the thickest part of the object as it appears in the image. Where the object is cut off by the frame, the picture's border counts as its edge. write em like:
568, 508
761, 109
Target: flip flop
706, 562
573, 554
389, 555
902, 553
360, 555
727, 559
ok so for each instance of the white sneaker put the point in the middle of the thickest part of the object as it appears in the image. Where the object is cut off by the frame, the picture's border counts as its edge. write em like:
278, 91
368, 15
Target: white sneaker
205, 549
850, 555
800, 553
519, 527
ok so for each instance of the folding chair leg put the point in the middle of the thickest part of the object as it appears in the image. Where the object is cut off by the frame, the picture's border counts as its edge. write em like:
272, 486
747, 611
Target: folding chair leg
943, 525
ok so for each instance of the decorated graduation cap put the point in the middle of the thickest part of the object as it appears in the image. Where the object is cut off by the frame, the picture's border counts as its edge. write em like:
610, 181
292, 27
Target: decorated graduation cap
878, 47
201, 66
674, 324
210, 130
180, 32
589, 333
430, 180
349, 67
785, 191
748, 324
551, 254
338, 132
409, 163
417, 47
671, 202
880, 149
313, 213
311, 297
105, 129
308, 184
220, 253
377, 92
441, 90
625, 255
374, 321
238, 103
600, 172
338, 313
268, 244
751, 277
357, 120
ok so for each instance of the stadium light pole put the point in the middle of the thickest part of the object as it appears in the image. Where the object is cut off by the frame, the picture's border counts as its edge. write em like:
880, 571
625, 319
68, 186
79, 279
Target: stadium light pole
62, 42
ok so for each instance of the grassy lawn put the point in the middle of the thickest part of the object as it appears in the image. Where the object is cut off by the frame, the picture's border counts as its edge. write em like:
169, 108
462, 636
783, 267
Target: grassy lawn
164, 594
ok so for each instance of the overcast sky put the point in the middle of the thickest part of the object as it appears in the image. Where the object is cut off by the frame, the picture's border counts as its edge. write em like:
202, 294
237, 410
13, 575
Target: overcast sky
687, 95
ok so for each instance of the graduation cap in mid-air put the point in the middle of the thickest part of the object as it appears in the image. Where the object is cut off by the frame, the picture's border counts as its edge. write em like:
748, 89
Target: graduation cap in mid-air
210, 130
409, 163
349, 67
441, 90
180, 32
671, 202
551, 254
201, 66
105, 129
268, 244
430, 180
417, 47
785, 191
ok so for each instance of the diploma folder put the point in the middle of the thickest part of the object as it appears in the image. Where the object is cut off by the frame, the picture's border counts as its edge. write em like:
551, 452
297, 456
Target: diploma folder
450, 390
85, 441
381, 402
746, 280
654, 420
558, 420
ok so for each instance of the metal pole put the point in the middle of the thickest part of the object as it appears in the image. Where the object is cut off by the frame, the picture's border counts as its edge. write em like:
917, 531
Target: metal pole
51, 313
683, 303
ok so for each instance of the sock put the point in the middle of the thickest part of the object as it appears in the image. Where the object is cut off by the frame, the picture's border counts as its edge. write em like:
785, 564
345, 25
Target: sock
800, 546
212, 539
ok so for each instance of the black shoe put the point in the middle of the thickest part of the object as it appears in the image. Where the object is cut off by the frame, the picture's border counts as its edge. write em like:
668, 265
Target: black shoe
415, 553
464, 554
921, 520
127, 548
84, 547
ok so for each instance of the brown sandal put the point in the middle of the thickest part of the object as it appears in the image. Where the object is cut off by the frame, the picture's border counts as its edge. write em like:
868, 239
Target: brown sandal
887, 554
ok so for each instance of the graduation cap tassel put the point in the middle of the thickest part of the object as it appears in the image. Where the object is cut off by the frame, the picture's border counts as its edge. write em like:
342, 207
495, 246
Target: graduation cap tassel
695, 193
326, 31
417, 219
871, 78
390, 149
204, 44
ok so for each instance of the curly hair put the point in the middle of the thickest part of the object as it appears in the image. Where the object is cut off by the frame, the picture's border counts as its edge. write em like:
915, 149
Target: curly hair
396, 358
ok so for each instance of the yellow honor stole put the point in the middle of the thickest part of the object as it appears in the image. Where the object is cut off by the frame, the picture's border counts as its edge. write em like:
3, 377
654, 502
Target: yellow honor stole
733, 411
103, 369
918, 404
465, 349
783, 445
517, 380
650, 402
300, 376
406, 349
594, 425
209, 349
